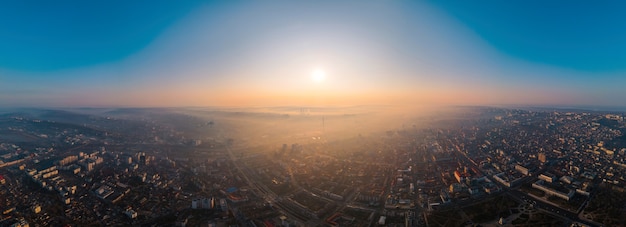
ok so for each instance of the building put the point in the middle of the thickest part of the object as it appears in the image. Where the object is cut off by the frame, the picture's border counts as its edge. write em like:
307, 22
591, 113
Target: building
506, 180
20, 223
456, 187
36, 209
196, 204
522, 169
461, 177
223, 205
554, 190
566, 179
548, 177
67, 160
203, 203
130, 213
542, 157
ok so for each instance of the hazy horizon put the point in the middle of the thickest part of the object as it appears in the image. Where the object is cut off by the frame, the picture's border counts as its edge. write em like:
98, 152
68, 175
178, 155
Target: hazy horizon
238, 54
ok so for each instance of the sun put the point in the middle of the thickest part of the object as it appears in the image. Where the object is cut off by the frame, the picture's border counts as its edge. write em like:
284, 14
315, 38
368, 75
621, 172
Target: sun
318, 75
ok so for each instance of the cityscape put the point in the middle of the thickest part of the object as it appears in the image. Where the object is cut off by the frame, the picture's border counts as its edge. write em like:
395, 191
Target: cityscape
312, 113
468, 166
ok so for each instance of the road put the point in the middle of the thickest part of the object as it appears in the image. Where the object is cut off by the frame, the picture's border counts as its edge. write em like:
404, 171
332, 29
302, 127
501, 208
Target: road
515, 193
262, 191
554, 210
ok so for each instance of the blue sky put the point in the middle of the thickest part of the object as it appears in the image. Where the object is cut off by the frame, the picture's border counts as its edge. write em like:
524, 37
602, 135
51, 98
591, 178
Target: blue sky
224, 53
56, 35
576, 35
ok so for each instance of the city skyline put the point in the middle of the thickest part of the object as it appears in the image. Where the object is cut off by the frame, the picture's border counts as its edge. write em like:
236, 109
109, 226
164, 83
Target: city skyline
201, 53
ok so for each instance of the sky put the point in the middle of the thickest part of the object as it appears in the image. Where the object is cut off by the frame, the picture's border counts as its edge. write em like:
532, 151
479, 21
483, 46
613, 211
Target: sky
263, 53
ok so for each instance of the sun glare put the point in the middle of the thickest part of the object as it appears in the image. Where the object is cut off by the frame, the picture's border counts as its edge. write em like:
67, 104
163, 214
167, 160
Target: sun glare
318, 75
